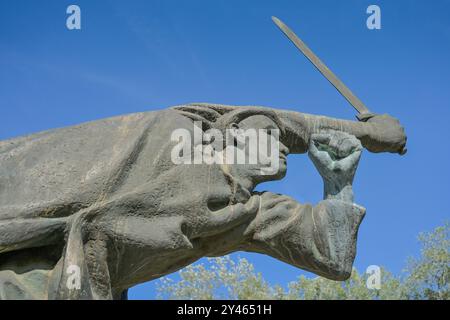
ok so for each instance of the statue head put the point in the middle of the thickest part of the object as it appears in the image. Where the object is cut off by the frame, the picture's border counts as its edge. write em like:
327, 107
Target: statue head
258, 139
265, 168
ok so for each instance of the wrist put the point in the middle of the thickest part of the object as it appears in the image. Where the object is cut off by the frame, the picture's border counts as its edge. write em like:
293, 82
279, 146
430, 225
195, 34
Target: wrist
338, 191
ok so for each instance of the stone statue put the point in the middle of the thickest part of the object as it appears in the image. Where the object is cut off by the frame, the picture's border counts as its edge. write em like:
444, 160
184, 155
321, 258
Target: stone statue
88, 211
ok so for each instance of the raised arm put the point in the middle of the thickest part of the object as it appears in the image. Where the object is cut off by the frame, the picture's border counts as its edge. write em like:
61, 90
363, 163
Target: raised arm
377, 133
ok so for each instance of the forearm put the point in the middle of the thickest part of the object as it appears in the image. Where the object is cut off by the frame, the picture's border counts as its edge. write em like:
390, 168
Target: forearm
361, 130
333, 191
374, 136
300, 126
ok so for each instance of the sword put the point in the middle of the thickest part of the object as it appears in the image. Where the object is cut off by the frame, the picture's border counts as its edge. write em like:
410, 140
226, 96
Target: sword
323, 69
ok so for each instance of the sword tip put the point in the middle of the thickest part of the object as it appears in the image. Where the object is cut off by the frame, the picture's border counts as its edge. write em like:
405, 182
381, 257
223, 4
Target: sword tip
275, 19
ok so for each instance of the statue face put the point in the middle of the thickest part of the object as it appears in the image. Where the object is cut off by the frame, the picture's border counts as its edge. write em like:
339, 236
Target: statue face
264, 158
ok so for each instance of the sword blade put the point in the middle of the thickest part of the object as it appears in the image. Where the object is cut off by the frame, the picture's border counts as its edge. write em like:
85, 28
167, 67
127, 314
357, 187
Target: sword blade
323, 69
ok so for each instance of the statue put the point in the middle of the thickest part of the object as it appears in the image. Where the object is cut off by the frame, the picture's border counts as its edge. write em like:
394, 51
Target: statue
88, 211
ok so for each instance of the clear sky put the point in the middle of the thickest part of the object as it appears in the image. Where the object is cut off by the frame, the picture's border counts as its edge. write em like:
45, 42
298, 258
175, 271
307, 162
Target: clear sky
135, 56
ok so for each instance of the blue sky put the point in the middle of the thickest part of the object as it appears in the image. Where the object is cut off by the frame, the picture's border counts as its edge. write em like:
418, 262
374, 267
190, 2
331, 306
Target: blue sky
135, 56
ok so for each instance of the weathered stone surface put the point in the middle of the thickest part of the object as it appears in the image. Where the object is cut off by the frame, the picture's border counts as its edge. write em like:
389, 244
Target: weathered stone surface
105, 197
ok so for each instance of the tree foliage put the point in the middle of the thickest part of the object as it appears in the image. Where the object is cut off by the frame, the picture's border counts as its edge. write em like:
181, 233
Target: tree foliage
426, 277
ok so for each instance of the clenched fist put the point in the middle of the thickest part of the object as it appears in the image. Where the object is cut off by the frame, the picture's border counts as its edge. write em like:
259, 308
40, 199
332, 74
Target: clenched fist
336, 155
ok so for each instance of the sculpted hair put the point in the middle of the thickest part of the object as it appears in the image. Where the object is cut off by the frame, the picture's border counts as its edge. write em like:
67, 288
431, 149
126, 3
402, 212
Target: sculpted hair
220, 116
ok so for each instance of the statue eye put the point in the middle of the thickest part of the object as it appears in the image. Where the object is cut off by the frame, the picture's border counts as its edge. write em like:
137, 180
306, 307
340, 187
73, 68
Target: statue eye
209, 139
